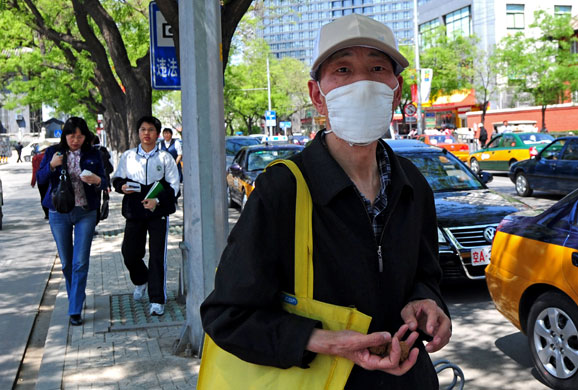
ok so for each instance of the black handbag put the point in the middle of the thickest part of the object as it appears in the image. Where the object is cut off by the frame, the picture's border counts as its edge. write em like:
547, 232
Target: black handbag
103, 212
63, 194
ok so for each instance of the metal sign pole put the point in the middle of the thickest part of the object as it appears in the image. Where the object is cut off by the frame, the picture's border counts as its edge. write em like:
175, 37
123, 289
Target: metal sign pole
417, 67
204, 204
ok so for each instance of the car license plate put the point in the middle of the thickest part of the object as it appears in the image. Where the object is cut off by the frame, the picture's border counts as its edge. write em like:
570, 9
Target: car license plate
481, 256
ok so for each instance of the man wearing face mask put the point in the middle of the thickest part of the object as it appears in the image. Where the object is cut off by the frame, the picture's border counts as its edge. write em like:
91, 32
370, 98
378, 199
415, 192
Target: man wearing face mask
374, 232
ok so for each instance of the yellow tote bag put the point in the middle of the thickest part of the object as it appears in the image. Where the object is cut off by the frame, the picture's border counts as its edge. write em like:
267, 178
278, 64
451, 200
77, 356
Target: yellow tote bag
221, 370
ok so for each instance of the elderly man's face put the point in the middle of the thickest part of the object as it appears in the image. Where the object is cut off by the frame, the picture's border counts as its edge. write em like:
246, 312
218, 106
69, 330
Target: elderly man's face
350, 65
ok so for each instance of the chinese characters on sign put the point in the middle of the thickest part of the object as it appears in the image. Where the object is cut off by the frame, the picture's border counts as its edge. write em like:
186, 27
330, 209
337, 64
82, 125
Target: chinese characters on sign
167, 67
164, 67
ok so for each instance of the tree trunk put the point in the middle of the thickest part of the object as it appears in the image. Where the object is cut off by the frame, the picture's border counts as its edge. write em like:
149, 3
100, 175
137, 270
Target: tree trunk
484, 109
231, 14
544, 106
125, 104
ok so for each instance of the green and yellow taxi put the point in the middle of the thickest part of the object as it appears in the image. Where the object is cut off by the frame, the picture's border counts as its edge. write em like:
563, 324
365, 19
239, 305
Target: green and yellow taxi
533, 280
507, 148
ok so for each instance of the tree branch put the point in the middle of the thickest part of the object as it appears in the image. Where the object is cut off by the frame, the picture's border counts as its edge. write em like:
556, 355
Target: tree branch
40, 26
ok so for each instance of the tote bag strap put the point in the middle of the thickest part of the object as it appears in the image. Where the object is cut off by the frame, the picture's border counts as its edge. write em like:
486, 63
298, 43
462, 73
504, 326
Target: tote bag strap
64, 167
303, 233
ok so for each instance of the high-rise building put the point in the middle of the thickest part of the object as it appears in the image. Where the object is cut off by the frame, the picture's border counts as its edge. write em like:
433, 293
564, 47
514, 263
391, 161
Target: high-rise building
290, 27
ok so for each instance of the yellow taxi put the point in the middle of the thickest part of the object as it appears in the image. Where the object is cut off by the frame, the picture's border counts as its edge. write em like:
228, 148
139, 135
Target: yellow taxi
250, 162
533, 281
458, 149
507, 148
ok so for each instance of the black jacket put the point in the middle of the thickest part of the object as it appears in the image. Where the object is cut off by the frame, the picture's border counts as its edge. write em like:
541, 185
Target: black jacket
90, 160
243, 314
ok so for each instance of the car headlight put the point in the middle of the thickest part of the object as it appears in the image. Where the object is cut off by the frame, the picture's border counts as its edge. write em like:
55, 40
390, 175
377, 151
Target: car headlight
441, 237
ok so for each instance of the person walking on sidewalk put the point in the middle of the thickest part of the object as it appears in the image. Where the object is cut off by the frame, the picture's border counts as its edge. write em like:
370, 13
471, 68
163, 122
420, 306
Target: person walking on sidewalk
173, 146
73, 231
19, 148
139, 169
375, 244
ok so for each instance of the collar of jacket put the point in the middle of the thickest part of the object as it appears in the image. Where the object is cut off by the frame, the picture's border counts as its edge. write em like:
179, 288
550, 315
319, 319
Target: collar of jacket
141, 151
327, 178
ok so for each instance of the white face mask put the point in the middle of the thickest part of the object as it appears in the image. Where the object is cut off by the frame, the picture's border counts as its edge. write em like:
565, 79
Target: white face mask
360, 112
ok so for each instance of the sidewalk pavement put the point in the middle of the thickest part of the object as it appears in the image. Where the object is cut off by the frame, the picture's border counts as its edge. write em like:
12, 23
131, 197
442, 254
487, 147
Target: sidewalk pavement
119, 346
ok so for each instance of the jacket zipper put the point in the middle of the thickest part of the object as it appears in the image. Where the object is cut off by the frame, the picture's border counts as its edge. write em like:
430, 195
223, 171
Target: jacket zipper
147, 171
377, 244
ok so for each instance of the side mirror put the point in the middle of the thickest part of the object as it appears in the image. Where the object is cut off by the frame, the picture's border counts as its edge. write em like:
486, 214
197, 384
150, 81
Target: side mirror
235, 167
485, 177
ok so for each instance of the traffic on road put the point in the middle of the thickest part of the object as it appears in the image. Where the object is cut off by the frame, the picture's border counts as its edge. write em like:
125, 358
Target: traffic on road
472, 208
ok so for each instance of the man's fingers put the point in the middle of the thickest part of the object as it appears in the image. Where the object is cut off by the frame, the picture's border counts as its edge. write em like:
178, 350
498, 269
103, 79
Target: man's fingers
408, 316
373, 340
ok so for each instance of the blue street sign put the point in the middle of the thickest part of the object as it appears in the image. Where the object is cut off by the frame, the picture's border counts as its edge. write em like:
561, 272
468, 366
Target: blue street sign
57, 133
165, 72
285, 125
270, 115
270, 118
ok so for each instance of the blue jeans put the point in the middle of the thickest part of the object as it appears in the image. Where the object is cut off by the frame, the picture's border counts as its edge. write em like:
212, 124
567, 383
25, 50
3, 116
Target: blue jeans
74, 251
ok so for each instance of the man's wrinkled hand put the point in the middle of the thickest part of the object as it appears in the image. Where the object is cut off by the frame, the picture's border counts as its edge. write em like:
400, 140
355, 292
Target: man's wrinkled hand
428, 317
355, 346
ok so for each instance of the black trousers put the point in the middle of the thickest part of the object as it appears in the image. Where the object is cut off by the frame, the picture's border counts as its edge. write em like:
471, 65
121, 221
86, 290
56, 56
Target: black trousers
133, 252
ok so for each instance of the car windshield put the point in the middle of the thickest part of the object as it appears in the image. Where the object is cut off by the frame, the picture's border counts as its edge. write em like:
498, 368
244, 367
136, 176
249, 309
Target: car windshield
536, 138
442, 139
232, 145
259, 159
444, 173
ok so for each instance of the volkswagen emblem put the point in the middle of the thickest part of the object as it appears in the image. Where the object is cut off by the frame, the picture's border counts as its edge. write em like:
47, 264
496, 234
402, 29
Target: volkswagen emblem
489, 233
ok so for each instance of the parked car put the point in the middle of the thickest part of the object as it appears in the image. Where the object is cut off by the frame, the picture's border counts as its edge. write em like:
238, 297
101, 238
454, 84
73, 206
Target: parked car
533, 281
554, 169
460, 150
234, 143
507, 148
36, 146
299, 139
521, 126
249, 162
467, 211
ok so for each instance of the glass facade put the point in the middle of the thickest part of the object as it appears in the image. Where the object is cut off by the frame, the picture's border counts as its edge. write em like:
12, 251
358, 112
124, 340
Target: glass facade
459, 22
426, 29
291, 29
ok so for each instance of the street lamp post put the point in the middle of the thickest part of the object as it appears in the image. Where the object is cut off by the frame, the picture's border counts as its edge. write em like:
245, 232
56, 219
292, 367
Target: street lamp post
417, 67
269, 128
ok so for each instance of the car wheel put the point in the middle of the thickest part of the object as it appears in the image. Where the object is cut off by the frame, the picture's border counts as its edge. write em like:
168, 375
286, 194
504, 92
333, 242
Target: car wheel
522, 185
553, 339
244, 201
475, 166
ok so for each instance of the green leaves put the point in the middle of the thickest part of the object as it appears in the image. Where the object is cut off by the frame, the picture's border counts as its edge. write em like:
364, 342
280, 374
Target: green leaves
246, 82
541, 63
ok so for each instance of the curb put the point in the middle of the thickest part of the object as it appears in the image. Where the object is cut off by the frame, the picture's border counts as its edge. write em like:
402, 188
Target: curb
52, 365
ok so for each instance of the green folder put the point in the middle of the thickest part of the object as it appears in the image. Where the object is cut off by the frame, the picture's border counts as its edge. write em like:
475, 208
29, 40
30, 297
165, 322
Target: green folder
155, 190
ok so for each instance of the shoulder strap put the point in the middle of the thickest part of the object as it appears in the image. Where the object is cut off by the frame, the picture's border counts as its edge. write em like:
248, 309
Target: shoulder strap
303, 233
